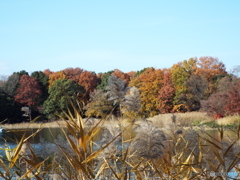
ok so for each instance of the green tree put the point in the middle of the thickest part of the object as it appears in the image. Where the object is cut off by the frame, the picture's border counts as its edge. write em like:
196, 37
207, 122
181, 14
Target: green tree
8, 108
20, 73
43, 82
104, 80
10, 86
60, 94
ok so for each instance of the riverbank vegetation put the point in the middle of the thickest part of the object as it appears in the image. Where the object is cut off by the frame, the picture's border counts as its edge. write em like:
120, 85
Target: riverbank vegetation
98, 149
147, 124
194, 85
196, 120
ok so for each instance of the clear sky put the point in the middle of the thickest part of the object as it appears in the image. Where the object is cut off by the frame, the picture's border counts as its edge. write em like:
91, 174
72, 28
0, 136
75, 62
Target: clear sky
102, 35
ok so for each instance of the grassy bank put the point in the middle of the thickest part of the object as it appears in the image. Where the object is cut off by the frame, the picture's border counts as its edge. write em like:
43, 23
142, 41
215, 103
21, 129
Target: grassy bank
28, 125
166, 121
150, 153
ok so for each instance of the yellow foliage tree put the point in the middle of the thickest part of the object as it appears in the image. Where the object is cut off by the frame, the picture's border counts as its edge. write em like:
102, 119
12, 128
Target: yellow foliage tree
149, 82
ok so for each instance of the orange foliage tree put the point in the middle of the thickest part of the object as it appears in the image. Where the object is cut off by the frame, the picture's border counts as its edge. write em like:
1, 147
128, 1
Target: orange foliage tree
73, 74
166, 94
211, 69
87, 79
56, 76
149, 82
28, 92
131, 74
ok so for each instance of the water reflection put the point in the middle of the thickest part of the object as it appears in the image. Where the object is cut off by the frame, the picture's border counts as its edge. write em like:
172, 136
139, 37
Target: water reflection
10, 139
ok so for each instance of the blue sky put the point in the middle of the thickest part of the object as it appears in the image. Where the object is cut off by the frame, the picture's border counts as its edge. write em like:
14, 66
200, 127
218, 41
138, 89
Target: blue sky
101, 35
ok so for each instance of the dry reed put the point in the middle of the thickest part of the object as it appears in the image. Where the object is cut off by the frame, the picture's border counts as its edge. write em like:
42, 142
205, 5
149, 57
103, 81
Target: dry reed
94, 149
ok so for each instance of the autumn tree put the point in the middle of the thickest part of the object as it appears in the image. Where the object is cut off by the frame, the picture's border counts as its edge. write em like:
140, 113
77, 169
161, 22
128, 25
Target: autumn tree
149, 82
225, 100
28, 92
13, 82
195, 90
211, 69
215, 104
60, 94
131, 74
88, 80
98, 105
73, 74
47, 72
166, 94
56, 76
232, 106
180, 73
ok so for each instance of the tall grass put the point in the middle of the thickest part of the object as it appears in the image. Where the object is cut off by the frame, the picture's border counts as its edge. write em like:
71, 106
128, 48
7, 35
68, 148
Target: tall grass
181, 119
229, 120
98, 149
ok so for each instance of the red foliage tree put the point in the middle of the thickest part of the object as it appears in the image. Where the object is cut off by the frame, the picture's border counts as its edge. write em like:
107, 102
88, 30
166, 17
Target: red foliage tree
88, 80
233, 102
226, 101
166, 94
47, 72
215, 104
29, 91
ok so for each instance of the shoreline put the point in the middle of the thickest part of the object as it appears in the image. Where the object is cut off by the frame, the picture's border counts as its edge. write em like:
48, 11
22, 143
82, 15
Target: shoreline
27, 125
62, 124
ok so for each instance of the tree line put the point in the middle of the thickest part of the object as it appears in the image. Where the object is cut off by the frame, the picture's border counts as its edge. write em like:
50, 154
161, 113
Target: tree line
190, 85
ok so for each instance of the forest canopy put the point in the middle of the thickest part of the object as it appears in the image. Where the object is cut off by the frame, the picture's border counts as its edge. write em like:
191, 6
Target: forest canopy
196, 84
